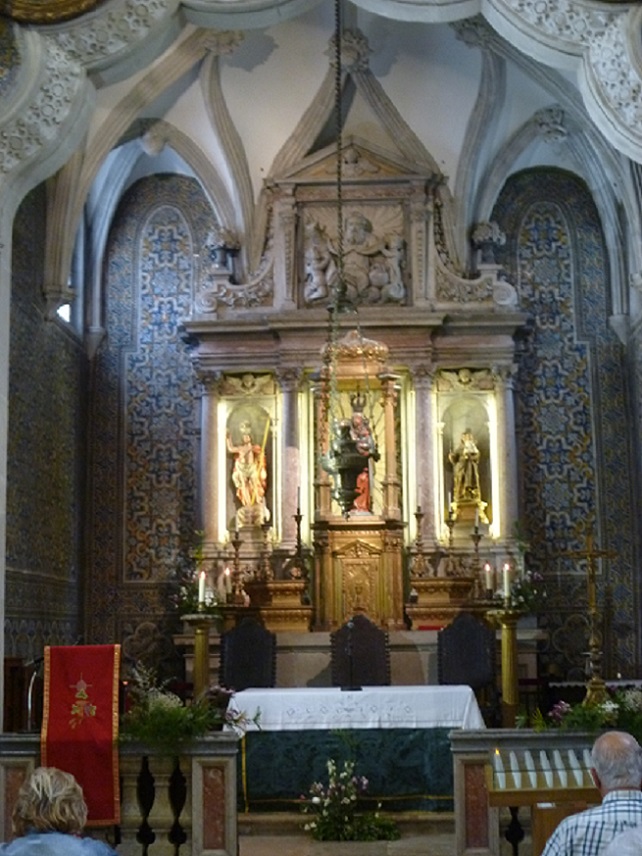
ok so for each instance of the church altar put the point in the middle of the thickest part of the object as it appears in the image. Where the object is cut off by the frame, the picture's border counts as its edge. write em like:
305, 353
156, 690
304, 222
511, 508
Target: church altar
398, 737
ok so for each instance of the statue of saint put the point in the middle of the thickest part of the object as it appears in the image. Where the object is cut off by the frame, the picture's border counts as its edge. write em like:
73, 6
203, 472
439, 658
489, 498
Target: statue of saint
364, 444
249, 473
465, 461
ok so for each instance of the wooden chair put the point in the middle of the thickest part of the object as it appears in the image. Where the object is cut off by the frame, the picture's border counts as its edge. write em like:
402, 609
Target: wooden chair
467, 655
359, 654
248, 656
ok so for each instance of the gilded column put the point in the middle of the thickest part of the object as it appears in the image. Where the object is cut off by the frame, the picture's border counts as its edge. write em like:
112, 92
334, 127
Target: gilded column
422, 379
208, 458
289, 380
507, 450
322, 484
390, 392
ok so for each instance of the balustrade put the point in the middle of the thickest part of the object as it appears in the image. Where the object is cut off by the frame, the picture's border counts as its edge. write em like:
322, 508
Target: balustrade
181, 805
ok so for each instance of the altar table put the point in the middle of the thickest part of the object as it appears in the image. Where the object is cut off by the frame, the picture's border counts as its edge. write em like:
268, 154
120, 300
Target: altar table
397, 735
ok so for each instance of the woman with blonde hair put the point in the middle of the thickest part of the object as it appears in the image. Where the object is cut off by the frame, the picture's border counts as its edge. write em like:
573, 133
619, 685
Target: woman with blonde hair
49, 817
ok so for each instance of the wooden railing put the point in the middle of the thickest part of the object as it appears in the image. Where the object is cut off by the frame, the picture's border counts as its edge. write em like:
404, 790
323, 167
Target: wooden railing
171, 805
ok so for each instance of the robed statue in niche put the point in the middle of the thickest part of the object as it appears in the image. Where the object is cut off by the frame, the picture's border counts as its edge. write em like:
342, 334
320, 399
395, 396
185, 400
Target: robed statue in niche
465, 461
249, 471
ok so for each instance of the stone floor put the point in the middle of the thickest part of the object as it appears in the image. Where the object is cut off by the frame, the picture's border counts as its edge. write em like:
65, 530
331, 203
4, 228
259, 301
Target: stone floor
421, 835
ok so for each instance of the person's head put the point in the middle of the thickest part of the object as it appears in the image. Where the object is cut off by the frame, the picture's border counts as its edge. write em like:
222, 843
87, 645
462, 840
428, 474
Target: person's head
50, 800
617, 761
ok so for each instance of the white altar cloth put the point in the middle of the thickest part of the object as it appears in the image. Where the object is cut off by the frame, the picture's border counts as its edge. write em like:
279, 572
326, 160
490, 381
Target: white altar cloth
310, 708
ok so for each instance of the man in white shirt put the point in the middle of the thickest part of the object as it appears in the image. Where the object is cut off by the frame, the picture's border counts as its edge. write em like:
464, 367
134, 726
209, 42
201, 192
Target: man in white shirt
617, 773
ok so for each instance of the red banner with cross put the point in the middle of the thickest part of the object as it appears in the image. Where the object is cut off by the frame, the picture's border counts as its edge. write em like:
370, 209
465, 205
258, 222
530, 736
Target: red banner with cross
80, 723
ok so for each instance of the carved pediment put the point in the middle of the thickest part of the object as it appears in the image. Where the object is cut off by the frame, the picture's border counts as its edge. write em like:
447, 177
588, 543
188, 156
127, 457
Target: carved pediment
358, 549
361, 163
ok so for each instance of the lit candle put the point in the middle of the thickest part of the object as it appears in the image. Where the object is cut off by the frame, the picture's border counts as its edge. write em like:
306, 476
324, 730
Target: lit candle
489, 575
201, 587
499, 770
506, 578
228, 580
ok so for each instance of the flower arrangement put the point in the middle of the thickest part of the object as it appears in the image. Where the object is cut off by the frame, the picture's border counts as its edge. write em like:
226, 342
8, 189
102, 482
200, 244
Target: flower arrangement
159, 718
527, 593
334, 809
622, 709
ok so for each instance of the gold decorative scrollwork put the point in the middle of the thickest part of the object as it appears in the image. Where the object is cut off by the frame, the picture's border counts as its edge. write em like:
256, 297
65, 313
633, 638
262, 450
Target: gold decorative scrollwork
45, 11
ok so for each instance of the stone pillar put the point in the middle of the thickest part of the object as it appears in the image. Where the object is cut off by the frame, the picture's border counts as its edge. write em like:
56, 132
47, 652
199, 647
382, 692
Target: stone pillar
507, 462
209, 459
391, 486
289, 380
422, 378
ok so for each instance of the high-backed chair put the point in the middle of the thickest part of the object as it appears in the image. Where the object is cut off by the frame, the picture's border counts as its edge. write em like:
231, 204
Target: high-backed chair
467, 655
248, 656
359, 654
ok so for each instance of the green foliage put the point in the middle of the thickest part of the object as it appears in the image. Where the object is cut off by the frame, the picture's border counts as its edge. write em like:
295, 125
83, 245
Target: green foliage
334, 809
527, 593
164, 722
622, 709
160, 719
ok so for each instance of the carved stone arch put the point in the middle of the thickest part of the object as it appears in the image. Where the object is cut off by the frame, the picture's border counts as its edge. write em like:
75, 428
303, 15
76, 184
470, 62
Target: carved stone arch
599, 169
107, 188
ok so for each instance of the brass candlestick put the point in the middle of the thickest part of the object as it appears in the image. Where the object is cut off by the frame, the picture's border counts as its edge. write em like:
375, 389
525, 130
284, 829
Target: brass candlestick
267, 574
420, 565
299, 564
450, 523
596, 692
237, 594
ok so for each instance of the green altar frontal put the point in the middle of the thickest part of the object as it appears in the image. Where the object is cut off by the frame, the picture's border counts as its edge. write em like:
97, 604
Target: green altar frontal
406, 768
398, 737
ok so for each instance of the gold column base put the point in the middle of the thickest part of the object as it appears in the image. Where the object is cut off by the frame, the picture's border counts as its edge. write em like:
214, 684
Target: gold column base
507, 620
201, 668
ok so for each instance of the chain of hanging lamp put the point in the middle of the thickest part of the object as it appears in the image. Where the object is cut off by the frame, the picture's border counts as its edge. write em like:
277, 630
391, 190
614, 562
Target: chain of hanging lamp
341, 305
338, 298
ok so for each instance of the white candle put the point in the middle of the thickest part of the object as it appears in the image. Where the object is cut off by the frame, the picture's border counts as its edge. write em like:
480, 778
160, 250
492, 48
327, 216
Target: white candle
575, 767
488, 573
450, 501
201, 587
514, 768
499, 770
476, 519
546, 767
561, 769
588, 761
506, 578
298, 499
228, 580
530, 768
